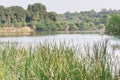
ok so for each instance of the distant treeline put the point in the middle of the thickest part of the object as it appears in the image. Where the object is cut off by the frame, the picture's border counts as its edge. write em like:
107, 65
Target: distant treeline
37, 17
89, 20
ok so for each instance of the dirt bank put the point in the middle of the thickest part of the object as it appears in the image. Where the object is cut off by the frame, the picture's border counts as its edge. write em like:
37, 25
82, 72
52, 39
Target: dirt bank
14, 29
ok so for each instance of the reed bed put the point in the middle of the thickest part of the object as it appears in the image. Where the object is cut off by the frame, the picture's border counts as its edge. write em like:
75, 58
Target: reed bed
50, 62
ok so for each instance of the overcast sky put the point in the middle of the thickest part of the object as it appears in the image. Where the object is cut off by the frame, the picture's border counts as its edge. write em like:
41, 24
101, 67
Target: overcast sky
61, 6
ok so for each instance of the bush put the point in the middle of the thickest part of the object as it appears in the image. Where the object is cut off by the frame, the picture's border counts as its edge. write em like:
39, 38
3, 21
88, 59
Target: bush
41, 27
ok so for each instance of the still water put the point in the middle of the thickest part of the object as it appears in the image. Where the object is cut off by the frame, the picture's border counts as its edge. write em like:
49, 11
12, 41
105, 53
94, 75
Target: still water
69, 39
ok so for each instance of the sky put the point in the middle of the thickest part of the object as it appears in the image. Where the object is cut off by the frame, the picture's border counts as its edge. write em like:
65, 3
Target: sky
62, 6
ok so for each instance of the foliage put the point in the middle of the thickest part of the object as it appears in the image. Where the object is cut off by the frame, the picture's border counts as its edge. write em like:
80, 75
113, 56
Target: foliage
88, 20
37, 17
37, 12
50, 62
113, 25
52, 16
18, 17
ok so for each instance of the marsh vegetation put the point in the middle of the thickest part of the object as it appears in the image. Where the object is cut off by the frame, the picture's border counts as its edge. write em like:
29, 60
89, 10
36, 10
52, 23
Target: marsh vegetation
53, 62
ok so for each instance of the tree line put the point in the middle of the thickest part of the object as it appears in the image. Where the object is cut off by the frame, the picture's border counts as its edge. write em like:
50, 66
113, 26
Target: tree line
37, 17
16, 16
89, 20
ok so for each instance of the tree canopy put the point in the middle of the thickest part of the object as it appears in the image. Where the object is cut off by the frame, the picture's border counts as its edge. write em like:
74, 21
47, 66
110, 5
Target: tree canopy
17, 16
113, 24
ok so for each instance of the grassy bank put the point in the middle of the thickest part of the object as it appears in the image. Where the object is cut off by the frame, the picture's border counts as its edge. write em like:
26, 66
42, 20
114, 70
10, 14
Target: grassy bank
48, 62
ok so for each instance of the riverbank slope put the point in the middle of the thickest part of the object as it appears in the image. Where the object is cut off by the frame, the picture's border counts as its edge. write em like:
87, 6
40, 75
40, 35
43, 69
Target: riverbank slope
25, 29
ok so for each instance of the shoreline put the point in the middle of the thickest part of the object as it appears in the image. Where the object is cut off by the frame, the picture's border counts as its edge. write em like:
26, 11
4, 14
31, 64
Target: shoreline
25, 29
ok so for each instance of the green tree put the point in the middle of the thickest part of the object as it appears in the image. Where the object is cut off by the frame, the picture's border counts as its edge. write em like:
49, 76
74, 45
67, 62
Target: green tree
41, 27
113, 24
15, 15
72, 27
37, 12
2, 15
52, 16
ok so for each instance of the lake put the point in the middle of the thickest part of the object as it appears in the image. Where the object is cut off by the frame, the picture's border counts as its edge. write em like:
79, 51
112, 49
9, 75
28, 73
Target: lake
70, 39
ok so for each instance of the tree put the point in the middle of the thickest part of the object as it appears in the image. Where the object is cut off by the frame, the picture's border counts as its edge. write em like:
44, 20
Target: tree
52, 16
15, 15
72, 27
113, 24
2, 15
37, 12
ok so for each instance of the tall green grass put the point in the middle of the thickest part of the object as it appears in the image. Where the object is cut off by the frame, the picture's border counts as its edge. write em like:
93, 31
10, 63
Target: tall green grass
49, 62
